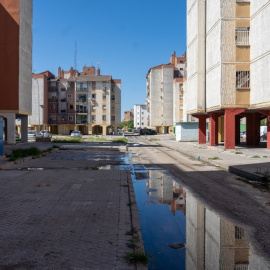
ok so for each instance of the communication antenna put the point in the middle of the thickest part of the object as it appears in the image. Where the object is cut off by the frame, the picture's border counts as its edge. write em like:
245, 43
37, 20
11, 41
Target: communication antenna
75, 56
98, 64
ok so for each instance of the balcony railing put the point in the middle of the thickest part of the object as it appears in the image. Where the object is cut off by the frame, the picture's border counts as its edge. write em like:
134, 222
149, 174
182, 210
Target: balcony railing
241, 266
242, 79
81, 89
242, 36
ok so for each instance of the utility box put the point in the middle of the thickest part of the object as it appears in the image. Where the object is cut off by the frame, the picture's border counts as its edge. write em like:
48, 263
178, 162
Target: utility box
186, 131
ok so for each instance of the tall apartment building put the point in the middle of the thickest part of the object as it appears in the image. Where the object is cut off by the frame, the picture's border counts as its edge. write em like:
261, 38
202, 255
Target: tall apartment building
227, 67
140, 116
15, 65
165, 94
83, 101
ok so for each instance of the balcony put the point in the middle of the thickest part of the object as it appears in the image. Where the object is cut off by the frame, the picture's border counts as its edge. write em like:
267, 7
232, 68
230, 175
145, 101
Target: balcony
242, 36
243, 79
81, 89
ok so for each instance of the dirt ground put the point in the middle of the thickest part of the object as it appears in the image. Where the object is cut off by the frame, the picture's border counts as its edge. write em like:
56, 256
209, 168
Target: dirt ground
220, 190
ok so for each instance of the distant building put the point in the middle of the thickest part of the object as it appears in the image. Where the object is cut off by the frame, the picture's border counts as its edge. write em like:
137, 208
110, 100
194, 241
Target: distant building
85, 101
129, 115
165, 94
140, 116
15, 66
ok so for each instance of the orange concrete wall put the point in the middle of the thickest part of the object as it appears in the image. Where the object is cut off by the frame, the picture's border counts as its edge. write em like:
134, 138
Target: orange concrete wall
9, 54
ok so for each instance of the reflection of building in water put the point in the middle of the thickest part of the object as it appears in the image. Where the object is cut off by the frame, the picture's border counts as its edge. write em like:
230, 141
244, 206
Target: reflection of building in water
164, 187
213, 242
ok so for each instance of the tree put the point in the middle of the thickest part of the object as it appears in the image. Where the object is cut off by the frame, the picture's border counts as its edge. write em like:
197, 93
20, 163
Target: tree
126, 124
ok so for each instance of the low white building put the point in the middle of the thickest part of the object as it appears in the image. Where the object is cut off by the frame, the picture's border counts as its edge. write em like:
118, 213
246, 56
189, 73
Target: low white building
140, 116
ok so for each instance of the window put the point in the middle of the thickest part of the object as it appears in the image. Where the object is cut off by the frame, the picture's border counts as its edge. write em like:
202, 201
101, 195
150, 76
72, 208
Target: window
69, 96
70, 118
242, 36
93, 95
104, 117
242, 79
104, 86
63, 111
52, 117
113, 108
63, 89
71, 106
113, 118
68, 84
142, 112
103, 107
93, 117
53, 107
103, 96
63, 100
53, 95
53, 84
113, 97
142, 123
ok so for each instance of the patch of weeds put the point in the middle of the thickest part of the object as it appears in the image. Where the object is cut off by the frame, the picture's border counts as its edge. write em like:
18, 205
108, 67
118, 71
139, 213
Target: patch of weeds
265, 156
49, 150
154, 140
48, 185
214, 158
132, 231
238, 153
129, 204
96, 139
21, 153
67, 140
55, 146
120, 140
255, 156
38, 185
137, 257
95, 168
123, 185
86, 168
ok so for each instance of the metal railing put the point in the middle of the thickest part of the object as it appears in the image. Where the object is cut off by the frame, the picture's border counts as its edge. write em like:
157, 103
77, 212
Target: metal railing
242, 79
242, 36
241, 267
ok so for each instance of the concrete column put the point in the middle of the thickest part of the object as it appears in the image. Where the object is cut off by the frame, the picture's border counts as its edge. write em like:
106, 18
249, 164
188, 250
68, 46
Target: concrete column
267, 113
202, 128
1, 136
24, 128
229, 126
213, 129
10, 128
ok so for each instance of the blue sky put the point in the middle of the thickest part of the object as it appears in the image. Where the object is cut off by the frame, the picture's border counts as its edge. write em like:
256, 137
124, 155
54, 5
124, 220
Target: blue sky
126, 38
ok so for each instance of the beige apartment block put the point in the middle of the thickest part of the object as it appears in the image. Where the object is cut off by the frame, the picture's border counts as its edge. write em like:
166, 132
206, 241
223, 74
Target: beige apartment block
227, 68
164, 98
85, 101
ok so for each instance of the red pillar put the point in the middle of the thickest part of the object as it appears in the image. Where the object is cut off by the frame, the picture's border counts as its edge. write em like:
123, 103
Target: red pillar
202, 128
237, 129
267, 113
229, 127
213, 139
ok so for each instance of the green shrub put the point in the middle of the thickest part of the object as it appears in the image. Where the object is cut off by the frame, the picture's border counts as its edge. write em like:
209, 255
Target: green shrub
24, 152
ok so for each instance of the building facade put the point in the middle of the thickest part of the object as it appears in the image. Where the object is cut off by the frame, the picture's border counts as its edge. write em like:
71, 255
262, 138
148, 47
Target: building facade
140, 116
129, 115
15, 65
85, 101
165, 94
227, 66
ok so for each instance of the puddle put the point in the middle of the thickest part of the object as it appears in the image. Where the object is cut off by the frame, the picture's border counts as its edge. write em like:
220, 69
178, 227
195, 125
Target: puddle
32, 169
179, 232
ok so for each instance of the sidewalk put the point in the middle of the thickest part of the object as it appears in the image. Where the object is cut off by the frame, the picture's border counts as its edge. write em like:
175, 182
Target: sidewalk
249, 162
57, 212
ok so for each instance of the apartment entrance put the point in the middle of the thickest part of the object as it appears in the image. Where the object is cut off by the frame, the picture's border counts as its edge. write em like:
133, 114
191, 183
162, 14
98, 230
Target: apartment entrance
97, 130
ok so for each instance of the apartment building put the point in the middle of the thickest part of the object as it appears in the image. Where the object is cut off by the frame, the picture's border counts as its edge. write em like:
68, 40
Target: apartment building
140, 116
227, 68
129, 115
15, 66
165, 94
85, 101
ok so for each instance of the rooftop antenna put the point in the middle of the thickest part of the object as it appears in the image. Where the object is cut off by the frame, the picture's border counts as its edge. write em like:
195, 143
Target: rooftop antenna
98, 64
75, 56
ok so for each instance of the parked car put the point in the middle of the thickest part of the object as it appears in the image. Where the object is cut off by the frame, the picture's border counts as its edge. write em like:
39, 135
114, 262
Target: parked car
45, 134
264, 137
147, 131
76, 133
32, 134
243, 134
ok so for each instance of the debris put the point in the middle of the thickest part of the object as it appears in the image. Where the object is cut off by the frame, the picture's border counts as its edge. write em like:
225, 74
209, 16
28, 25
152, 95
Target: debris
177, 245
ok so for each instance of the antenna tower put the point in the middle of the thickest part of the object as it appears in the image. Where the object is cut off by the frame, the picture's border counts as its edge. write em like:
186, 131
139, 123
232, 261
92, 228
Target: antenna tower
75, 56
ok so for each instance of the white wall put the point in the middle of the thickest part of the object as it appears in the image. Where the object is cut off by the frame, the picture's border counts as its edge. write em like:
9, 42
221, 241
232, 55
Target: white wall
259, 52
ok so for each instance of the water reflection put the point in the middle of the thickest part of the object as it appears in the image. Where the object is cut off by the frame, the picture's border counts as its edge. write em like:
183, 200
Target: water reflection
181, 233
